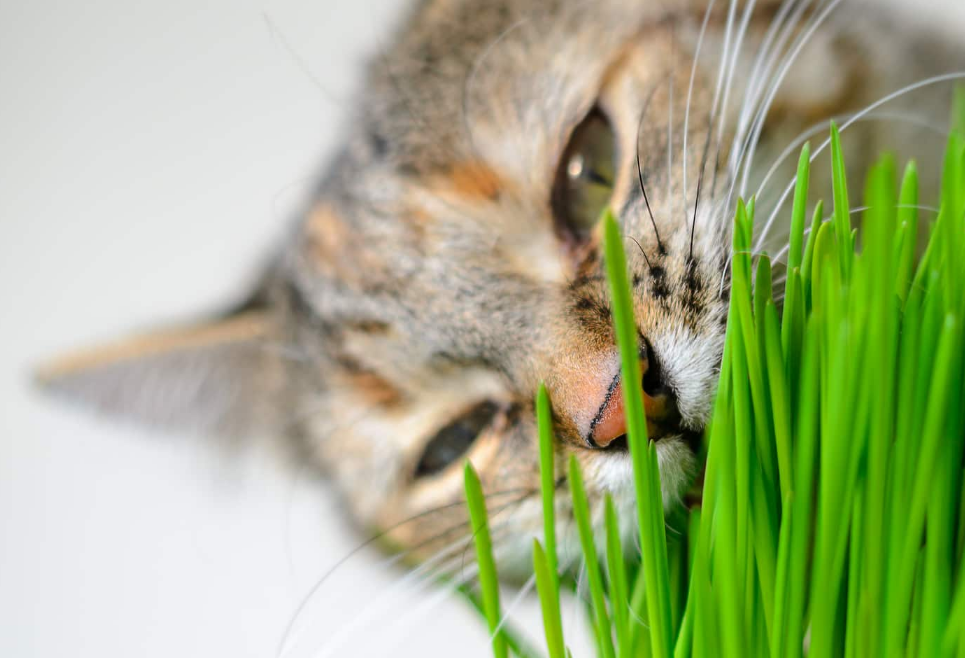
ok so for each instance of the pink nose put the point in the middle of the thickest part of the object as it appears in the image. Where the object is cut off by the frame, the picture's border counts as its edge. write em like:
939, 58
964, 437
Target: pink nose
610, 422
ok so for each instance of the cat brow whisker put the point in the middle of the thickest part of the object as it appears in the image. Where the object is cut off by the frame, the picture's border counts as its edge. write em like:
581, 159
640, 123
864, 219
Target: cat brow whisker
277, 35
642, 252
643, 188
933, 80
700, 182
474, 70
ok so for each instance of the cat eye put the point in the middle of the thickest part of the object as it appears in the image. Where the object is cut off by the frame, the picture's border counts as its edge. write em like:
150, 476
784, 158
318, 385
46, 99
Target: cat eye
454, 440
585, 178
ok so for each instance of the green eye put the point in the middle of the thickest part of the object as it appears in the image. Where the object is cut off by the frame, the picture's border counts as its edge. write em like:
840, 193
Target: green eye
586, 174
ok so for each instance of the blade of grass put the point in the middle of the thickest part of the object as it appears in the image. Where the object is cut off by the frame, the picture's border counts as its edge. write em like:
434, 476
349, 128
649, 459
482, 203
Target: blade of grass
617, 573
549, 600
649, 509
488, 581
547, 480
591, 566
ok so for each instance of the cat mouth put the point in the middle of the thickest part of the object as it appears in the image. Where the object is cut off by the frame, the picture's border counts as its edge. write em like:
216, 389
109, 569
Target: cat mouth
621, 444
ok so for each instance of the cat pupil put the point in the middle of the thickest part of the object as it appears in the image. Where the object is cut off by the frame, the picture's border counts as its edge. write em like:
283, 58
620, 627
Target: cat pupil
584, 183
455, 439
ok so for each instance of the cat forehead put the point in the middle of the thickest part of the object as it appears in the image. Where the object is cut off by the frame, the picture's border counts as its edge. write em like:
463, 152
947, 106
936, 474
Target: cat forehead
465, 75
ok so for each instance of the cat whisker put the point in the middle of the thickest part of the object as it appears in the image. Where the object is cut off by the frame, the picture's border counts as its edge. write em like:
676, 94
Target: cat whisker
783, 252
670, 91
778, 31
700, 182
643, 188
933, 80
384, 601
748, 148
690, 90
521, 494
732, 68
514, 603
823, 126
642, 252
474, 70
773, 44
277, 35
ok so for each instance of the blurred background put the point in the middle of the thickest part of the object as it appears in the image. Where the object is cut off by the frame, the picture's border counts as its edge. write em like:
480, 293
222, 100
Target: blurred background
150, 154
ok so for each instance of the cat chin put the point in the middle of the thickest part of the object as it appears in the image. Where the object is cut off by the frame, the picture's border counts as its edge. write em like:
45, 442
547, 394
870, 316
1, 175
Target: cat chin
610, 474
613, 474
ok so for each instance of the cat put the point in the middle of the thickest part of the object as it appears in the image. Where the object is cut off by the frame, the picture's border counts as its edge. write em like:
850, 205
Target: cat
450, 259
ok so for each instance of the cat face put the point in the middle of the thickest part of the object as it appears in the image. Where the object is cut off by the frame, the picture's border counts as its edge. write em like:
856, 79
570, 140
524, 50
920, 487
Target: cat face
451, 261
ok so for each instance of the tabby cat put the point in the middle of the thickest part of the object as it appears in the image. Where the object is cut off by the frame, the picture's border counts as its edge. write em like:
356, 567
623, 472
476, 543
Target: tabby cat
450, 259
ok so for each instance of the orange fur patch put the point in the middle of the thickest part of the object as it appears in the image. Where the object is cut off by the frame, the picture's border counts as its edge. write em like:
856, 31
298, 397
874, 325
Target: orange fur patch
338, 251
327, 235
374, 389
474, 180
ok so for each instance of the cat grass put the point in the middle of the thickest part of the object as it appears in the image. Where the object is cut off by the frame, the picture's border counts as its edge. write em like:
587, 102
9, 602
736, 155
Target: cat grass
832, 515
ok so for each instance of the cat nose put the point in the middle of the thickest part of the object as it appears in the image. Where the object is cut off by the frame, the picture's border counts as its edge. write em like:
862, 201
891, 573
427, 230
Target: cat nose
609, 427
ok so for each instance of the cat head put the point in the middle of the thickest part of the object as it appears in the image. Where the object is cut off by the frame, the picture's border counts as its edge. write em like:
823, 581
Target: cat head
451, 261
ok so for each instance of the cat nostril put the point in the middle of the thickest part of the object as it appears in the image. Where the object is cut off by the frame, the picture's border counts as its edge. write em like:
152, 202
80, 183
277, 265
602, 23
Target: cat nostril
618, 444
663, 415
608, 428
654, 383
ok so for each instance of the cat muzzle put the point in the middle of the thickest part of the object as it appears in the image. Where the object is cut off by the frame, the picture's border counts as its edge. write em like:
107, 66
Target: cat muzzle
609, 427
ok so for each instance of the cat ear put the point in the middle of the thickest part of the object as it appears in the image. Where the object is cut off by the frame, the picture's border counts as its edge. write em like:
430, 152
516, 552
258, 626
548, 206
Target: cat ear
219, 377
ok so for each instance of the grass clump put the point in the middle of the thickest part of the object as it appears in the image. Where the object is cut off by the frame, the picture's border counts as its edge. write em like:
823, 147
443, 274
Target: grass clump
832, 520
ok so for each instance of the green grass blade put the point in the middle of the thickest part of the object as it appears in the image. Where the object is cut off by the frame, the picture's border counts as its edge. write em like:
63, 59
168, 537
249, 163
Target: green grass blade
549, 600
807, 266
617, 572
907, 247
780, 397
794, 254
842, 209
653, 539
547, 479
488, 581
591, 566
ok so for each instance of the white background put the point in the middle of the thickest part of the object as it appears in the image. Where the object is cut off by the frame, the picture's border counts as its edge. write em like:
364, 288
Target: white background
149, 154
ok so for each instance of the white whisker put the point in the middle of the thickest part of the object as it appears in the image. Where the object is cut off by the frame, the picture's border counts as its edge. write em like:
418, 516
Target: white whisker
417, 580
768, 55
690, 92
796, 143
780, 254
514, 603
938, 79
758, 126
